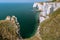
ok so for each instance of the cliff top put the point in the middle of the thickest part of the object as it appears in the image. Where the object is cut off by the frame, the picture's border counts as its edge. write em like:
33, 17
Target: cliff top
8, 30
50, 28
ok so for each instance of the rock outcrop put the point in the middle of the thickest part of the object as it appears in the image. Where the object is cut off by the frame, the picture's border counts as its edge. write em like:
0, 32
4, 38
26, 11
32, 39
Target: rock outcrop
45, 9
9, 30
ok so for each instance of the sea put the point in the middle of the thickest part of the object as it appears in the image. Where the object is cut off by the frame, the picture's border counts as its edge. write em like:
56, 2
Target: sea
27, 18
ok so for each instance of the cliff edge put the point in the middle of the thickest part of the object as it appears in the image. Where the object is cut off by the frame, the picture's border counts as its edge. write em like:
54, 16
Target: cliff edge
50, 28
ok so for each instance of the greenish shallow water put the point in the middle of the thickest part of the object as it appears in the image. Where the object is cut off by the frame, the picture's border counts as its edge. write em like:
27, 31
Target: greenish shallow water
23, 11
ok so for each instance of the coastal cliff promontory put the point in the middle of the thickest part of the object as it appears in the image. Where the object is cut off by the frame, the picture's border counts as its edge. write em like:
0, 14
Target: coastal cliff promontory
45, 9
9, 30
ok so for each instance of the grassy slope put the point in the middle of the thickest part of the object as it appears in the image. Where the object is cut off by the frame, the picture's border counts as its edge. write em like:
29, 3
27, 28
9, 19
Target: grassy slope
36, 37
50, 28
7, 30
56, 0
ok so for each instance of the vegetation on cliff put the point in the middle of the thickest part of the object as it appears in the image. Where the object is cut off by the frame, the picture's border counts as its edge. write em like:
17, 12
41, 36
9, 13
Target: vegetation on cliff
7, 30
56, 0
50, 28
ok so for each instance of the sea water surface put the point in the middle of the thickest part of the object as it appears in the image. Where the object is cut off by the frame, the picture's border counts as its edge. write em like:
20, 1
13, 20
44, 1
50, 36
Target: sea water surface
26, 17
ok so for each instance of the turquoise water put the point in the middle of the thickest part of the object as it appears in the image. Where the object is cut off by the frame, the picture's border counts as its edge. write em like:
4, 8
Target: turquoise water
26, 17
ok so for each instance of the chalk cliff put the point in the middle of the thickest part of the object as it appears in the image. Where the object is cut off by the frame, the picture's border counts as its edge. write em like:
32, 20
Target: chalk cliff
46, 8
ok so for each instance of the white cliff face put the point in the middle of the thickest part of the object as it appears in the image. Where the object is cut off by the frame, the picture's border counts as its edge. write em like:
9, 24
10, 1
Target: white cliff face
46, 8
7, 18
37, 5
57, 5
34, 5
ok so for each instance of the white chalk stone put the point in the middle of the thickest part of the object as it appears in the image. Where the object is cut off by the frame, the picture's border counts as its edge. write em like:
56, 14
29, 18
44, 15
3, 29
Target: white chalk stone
8, 18
46, 8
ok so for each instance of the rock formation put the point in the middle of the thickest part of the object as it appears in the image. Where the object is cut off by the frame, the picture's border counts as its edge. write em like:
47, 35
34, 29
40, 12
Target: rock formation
9, 30
45, 9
